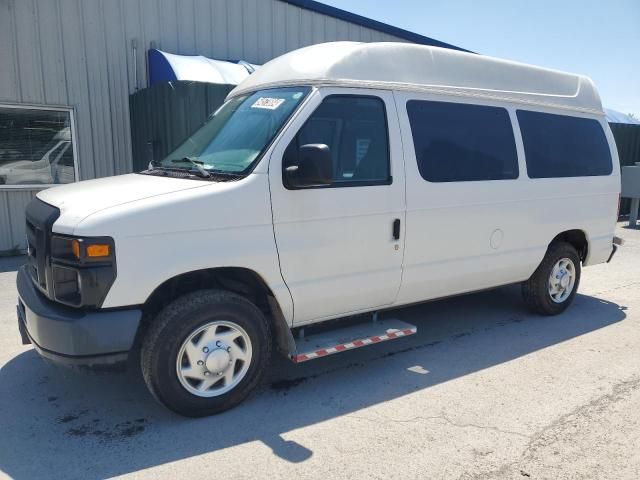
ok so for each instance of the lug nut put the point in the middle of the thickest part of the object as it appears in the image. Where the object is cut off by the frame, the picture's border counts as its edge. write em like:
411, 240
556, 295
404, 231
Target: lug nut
205, 350
200, 362
206, 373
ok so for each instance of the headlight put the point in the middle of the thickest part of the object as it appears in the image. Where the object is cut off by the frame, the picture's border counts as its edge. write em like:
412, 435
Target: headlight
83, 269
82, 250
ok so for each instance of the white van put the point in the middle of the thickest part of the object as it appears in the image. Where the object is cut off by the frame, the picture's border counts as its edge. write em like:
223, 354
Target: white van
338, 179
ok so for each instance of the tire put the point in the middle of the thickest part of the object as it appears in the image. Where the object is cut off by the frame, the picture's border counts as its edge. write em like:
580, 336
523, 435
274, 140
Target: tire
537, 290
208, 312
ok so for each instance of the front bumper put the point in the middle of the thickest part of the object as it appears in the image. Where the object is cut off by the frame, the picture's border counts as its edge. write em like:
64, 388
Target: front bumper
71, 336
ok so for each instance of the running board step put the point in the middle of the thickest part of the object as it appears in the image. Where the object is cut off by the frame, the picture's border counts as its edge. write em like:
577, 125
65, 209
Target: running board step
340, 340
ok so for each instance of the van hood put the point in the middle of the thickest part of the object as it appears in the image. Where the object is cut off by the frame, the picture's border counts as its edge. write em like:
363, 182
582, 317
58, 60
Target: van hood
77, 201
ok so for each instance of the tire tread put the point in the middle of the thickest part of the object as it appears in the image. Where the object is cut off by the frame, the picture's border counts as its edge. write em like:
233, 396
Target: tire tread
534, 290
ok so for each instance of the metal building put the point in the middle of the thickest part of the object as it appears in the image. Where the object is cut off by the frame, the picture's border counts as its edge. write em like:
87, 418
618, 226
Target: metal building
69, 67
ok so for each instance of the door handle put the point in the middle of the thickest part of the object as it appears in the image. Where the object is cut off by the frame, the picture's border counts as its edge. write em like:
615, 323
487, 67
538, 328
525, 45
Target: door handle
396, 229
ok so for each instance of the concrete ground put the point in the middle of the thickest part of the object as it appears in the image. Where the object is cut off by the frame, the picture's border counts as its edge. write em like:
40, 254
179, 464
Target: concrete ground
484, 390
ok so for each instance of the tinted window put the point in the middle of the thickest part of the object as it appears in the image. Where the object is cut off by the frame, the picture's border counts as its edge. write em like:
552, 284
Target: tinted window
561, 146
457, 142
355, 130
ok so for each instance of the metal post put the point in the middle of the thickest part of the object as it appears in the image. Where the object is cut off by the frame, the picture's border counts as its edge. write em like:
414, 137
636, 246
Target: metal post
134, 49
633, 213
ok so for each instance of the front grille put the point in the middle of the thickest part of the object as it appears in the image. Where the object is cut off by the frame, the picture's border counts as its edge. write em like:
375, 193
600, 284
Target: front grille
32, 263
40, 217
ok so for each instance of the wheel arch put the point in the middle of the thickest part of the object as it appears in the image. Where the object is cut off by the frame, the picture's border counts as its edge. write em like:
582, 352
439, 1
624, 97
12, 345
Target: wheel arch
577, 238
239, 280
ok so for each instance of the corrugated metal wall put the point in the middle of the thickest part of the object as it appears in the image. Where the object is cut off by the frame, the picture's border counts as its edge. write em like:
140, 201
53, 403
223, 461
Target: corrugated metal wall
12, 225
79, 53
167, 113
628, 144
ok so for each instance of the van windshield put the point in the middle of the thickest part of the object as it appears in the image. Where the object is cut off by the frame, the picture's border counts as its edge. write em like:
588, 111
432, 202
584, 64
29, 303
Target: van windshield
234, 137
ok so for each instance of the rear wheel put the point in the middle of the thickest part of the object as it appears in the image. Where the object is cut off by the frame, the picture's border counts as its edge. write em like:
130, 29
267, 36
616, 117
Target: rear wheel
206, 352
553, 285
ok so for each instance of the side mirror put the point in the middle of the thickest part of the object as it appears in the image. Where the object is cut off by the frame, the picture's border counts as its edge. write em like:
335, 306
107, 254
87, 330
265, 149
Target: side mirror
315, 166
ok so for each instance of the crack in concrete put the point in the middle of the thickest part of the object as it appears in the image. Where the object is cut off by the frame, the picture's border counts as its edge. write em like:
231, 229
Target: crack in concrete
541, 438
554, 431
609, 290
442, 417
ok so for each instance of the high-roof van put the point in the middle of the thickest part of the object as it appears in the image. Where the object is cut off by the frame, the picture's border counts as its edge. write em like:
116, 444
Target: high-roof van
339, 179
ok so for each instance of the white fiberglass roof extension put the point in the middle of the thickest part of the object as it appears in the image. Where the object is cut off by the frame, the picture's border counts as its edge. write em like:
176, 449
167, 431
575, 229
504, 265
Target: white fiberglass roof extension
419, 67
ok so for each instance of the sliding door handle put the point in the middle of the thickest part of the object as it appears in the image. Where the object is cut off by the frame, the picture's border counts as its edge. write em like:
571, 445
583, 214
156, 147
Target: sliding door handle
396, 229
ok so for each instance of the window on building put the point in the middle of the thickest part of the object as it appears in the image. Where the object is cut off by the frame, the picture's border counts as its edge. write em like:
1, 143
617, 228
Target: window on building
563, 146
456, 142
355, 130
35, 147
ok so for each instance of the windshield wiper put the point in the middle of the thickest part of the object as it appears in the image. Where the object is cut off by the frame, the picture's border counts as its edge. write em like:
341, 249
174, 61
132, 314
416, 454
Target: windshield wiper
196, 163
197, 170
188, 159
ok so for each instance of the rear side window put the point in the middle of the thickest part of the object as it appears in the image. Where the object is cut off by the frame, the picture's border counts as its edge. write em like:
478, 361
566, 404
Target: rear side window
456, 142
562, 146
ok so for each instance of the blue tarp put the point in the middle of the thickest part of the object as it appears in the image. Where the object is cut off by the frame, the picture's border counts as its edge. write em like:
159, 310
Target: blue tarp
613, 116
167, 67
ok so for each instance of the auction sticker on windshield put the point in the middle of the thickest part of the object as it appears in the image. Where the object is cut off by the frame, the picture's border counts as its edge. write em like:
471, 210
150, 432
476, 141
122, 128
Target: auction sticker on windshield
268, 103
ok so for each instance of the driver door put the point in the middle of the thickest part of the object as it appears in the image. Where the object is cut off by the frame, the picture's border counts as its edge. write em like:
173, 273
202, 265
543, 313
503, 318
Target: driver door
341, 245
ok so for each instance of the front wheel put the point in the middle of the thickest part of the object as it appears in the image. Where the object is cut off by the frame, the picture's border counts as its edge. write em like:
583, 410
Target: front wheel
552, 287
206, 352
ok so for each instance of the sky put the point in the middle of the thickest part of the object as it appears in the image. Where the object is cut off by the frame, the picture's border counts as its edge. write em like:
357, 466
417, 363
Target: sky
597, 38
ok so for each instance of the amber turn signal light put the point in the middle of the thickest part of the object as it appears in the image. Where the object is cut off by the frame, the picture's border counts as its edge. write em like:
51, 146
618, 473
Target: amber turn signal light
98, 250
75, 248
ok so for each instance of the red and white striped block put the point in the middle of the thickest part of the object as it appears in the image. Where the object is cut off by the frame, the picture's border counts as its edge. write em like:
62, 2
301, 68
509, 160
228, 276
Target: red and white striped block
363, 342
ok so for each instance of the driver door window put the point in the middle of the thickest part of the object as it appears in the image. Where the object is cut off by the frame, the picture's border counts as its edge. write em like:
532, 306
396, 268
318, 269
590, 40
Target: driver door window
355, 130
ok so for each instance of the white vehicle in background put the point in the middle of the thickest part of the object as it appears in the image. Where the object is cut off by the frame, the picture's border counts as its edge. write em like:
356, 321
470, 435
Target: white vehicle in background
54, 167
339, 179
